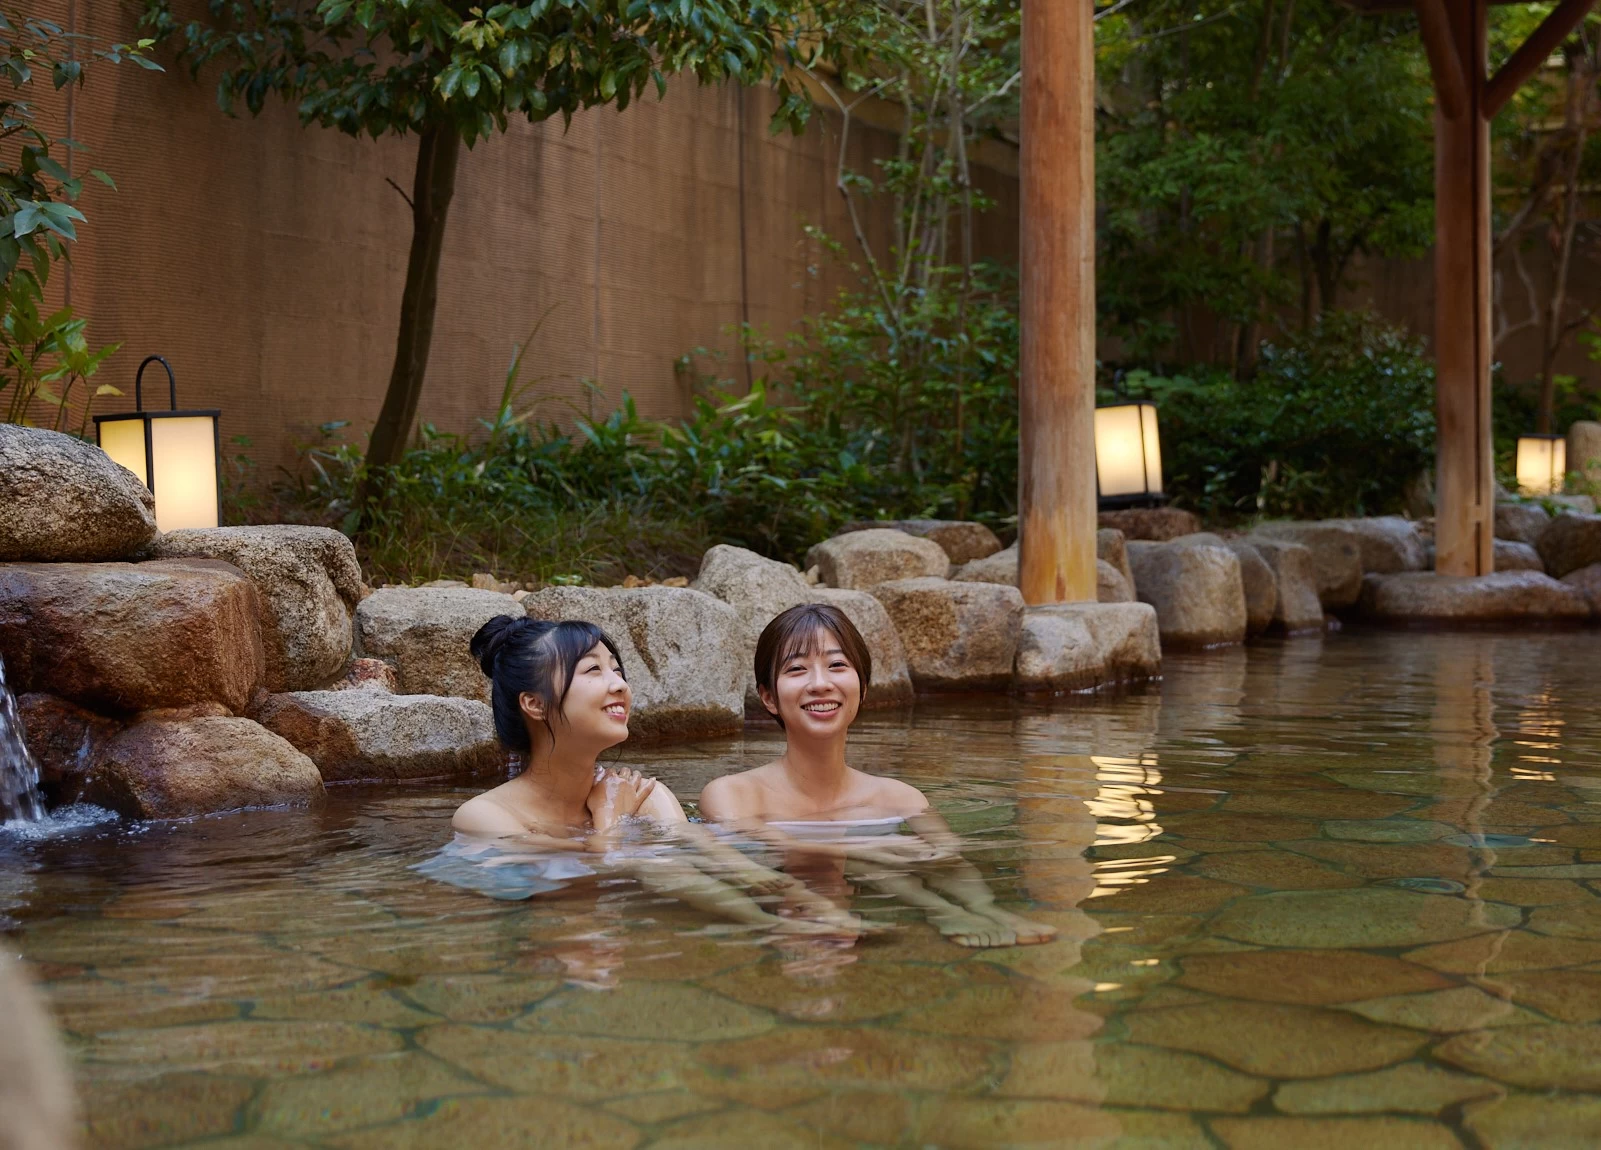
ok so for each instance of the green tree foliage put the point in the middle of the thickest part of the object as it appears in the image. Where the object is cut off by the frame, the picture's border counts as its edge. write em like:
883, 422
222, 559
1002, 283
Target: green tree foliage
1337, 421
1547, 143
454, 74
42, 354
1248, 152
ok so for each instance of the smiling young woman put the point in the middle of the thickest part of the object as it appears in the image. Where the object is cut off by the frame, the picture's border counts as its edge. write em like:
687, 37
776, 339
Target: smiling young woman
833, 821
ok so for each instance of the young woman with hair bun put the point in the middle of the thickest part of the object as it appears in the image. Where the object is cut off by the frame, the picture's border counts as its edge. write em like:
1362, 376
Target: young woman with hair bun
560, 699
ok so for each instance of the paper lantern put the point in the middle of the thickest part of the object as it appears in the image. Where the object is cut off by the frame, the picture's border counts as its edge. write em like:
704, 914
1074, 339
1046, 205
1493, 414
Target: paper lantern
1542, 464
1128, 455
178, 454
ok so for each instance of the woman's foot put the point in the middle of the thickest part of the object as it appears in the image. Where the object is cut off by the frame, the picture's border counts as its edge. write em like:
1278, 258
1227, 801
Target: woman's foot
1028, 933
965, 928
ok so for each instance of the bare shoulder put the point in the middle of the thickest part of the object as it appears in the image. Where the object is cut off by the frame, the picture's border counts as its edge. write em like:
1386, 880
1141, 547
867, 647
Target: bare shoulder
735, 796
483, 816
896, 797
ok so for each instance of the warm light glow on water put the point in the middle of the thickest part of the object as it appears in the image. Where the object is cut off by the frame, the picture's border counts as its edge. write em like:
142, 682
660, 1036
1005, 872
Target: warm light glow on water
1335, 892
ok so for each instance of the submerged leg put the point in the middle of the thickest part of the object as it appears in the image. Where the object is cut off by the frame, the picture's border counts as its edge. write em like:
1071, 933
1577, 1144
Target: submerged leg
960, 925
692, 886
959, 880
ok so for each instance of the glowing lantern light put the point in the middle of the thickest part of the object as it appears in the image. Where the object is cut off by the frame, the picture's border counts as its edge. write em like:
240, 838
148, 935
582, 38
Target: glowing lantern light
177, 454
1128, 455
1542, 464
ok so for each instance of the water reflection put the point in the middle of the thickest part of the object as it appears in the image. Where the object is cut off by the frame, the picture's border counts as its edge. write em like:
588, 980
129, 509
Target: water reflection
1300, 899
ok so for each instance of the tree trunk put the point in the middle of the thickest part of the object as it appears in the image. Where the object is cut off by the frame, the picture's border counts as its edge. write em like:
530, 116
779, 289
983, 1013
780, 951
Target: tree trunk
432, 189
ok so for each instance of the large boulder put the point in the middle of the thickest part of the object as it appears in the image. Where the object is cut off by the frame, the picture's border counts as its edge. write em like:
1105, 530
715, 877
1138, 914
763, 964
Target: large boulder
65, 740
1261, 586
1110, 585
164, 769
1152, 524
1588, 582
1521, 522
759, 588
426, 632
1111, 546
1504, 597
682, 650
892, 678
962, 540
1077, 646
1194, 583
1570, 542
309, 583
1001, 567
1297, 607
1510, 556
125, 637
1388, 544
63, 500
1336, 556
368, 734
1584, 449
861, 559
958, 636
756, 587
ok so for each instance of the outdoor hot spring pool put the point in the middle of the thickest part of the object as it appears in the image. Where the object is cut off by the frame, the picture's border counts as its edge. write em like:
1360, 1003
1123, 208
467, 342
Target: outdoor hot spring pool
1320, 893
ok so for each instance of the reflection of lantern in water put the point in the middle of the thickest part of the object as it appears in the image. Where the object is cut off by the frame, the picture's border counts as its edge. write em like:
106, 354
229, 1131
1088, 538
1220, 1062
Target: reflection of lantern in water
177, 454
1542, 464
1125, 813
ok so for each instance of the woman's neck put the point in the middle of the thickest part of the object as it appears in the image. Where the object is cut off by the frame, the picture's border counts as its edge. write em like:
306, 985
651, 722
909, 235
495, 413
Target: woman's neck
815, 769
559, 782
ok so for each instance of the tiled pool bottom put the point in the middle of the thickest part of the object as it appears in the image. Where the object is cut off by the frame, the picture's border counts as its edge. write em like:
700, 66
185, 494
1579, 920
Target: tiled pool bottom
1325, 893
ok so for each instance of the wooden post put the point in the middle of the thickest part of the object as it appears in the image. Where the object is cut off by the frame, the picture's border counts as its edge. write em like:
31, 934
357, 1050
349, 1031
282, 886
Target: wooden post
1464, 502
1056, 392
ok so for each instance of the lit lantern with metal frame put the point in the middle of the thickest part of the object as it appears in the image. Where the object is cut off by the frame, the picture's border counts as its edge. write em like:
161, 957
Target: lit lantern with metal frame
1542, 464
1128, 456
178, 454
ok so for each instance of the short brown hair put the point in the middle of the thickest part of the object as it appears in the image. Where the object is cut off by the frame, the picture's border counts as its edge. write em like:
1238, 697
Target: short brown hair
794, 632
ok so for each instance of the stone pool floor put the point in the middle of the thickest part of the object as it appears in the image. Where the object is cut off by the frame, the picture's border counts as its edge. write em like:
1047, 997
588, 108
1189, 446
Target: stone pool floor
1323, 893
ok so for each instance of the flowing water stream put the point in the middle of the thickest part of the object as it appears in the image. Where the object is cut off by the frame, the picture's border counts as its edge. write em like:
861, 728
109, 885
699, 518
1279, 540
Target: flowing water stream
19, 774
1317, 893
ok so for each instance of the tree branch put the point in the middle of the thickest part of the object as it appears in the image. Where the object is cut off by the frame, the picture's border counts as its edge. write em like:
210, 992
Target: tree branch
1523, 63
402, 192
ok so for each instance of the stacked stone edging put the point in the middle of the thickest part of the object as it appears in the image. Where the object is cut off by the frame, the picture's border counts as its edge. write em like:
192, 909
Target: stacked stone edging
309, 585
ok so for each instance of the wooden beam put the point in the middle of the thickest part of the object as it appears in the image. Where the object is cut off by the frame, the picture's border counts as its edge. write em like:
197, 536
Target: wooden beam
1056, 513
1450, 78
1534, 51
1464, 503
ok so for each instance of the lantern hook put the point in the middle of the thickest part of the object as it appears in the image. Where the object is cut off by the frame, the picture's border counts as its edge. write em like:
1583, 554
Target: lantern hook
138, 382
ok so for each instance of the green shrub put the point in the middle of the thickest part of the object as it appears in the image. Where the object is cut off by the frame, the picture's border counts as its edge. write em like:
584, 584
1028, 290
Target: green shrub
861, 414
1339, 421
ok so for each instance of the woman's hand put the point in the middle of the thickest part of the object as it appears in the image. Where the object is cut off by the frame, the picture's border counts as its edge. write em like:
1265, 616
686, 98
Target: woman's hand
896, 851
619, 793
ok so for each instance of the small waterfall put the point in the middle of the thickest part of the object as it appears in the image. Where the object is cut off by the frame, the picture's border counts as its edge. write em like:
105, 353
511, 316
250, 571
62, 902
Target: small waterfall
19, 774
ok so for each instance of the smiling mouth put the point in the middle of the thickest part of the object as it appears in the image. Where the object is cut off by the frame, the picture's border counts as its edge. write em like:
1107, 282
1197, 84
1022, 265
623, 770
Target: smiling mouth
617, 711
820, 708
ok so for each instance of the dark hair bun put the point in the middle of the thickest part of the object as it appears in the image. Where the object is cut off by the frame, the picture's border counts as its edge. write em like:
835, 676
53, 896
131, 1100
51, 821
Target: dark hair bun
492, 638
